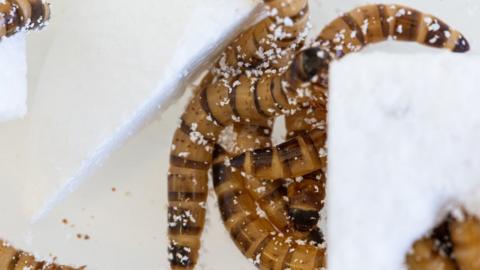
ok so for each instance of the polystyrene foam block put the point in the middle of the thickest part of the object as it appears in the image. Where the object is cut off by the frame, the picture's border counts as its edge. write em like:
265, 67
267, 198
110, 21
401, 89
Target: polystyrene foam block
403, 151
13, 77
102, 67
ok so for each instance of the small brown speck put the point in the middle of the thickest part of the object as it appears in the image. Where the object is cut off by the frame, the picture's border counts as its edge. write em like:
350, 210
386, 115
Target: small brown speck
65, 221
114, 189
79, 236
86, 237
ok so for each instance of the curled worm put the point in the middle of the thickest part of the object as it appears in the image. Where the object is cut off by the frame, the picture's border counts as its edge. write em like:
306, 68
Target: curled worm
297, 157
241, 97
214, 106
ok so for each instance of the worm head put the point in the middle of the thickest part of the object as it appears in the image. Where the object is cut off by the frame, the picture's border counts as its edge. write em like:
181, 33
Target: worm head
309, 70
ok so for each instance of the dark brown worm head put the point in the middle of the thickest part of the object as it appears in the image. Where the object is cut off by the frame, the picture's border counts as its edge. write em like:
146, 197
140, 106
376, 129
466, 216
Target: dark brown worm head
462, 45
311, 65
308, 75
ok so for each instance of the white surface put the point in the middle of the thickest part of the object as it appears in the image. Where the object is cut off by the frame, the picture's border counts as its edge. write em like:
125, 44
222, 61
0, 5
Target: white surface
13, 78
403, 150
127, 231
108, 66
127, 228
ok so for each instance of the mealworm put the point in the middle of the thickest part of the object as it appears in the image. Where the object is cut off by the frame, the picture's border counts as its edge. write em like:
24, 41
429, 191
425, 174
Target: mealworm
270, 44
191, 154
375, 23
254, 235
271, 196
424, 256
307, 193
349, 33
14, 259
22, 15
465, 235
454, 244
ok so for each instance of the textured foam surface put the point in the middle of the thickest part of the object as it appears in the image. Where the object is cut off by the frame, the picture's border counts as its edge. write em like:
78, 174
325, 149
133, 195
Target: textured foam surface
102, 68
403, 149
13, 78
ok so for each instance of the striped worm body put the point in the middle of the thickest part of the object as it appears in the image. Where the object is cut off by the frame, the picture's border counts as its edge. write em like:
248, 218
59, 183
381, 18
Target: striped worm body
254, 235
247, 98
375, 23
294, 158
307, 193
269, 45
344, 35
454, 244
22, 15
424, 256
13, 259
219, 102
465, 235
272, 196
268, 194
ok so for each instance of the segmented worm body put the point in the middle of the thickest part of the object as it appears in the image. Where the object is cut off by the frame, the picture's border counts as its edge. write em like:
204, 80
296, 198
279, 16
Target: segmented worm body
13, 259
243, 97
454, 244
307, 193
22, 15
206, 116
349, 33
253, 234
269, 46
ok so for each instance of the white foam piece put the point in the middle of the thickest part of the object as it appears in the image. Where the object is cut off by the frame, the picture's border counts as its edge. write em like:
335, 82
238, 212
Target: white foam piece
403, 150
13, 77
102, 68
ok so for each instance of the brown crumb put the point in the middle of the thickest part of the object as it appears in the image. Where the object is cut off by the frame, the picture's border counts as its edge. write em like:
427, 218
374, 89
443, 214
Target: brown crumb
65, 221
83, 236
114, 189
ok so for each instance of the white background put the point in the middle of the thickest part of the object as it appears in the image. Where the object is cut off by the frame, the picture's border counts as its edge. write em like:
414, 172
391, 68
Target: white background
127, 228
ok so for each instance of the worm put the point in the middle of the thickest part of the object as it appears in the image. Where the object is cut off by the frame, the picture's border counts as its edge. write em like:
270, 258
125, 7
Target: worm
251, 99
307, 193
349, 33
465, 235
304, 207
193, 142
270, 44
270, 195
14, 259
253, 234
22, 15
453, 244
424, 256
